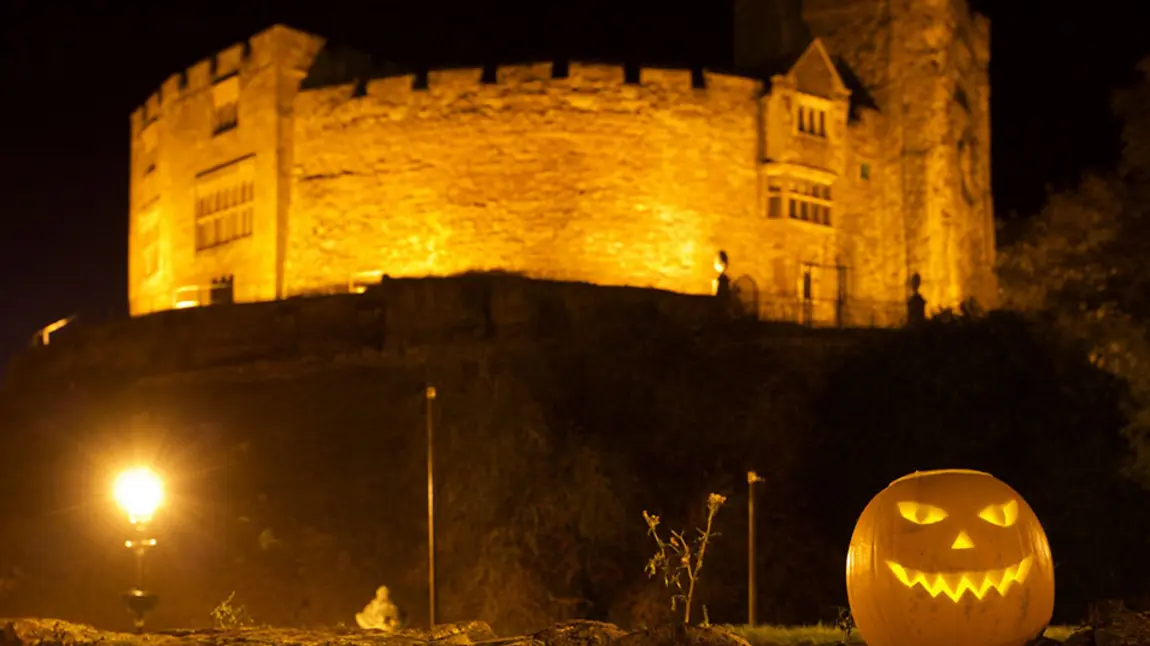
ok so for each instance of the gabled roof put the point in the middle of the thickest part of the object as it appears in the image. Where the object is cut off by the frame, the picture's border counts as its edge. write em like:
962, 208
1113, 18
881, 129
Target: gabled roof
815, 73
815, 63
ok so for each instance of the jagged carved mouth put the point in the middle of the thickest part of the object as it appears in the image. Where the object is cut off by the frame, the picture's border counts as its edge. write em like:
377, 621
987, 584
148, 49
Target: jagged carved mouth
956, 584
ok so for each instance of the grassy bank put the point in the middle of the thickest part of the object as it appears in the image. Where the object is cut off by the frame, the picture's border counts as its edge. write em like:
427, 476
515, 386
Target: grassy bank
825, 635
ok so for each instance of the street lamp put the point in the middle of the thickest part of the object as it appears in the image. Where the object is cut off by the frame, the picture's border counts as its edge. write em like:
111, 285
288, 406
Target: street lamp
430, 395
139, 492
752, 479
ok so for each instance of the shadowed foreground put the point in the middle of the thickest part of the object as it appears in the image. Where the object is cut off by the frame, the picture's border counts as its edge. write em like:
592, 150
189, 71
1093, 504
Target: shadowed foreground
1112, 624
40, 632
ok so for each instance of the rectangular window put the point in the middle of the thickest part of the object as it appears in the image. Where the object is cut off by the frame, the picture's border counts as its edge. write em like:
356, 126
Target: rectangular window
811, 121
774, 201
224, 202
864, 171
225, 104
224, 215
225, 118
810, 202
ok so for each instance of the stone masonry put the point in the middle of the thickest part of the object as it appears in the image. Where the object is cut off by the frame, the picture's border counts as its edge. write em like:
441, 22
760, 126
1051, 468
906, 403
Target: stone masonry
827, 184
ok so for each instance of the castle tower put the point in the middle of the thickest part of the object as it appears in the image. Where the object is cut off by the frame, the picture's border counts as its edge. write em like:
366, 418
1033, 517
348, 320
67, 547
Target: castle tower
210, 161
925, 64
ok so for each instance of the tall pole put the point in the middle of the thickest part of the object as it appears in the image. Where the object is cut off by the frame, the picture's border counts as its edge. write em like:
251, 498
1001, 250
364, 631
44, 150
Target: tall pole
430, 394
138, 599
752, 478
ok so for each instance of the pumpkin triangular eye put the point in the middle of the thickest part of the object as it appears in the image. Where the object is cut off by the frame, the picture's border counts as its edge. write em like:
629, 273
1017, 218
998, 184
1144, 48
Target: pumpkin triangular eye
1003, 515
921, 514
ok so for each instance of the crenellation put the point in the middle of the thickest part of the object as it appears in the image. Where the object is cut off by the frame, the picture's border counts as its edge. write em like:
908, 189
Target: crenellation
981, 36
153, 108
199, 77
280, 45
389, 88
173, 88
595, 74
734, 86
229, 61
453, 84
441, 82
665, 79
240, 58
533, 74
136, 122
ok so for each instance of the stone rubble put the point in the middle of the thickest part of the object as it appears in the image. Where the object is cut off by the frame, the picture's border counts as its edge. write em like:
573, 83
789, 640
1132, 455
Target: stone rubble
54, 632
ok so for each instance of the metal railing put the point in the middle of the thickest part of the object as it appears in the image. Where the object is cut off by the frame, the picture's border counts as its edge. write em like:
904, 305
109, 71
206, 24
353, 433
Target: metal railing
848, 313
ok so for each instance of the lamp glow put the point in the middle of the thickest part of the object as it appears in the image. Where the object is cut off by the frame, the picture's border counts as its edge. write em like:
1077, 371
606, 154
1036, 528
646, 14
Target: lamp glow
139, 492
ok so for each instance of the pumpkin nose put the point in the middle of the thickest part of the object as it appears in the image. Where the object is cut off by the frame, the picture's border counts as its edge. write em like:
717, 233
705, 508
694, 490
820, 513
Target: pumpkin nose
963, 542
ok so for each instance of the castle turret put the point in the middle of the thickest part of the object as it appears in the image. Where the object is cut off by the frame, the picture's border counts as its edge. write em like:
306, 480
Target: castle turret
926, 66
210, 158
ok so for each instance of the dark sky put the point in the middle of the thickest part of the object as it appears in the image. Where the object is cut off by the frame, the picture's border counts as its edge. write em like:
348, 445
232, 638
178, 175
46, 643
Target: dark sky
71, 73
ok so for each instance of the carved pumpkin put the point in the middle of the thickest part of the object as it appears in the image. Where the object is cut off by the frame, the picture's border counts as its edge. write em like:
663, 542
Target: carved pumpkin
949, 558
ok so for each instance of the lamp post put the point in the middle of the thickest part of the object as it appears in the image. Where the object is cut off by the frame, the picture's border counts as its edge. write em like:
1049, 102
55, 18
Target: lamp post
752, 478
139, 492
430, 395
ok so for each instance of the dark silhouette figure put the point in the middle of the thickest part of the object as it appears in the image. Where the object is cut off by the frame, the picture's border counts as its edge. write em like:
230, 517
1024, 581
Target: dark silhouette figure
723, 284
916, 304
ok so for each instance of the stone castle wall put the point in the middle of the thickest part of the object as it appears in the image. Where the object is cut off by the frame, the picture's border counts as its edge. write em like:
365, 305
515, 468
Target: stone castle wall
588, 175
584, 172
578, 178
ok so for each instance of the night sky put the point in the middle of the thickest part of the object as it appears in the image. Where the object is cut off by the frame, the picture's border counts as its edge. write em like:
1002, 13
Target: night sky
72, 72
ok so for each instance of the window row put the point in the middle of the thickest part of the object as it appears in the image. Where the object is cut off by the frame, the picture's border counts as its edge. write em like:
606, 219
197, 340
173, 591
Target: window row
801, 209
812, 121
225, 198
806, 189
804, 201
222, 229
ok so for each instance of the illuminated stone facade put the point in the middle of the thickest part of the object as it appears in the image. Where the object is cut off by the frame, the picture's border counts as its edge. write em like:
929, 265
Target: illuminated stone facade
249, 173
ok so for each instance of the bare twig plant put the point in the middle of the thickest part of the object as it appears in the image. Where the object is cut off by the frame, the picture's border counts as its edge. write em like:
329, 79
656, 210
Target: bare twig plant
678, 557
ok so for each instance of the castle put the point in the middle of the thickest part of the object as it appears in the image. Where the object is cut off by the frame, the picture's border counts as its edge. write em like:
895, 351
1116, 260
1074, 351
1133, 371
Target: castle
828, 178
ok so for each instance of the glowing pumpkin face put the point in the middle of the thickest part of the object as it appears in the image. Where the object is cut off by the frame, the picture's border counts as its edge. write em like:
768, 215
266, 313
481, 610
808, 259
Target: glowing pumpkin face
949, 558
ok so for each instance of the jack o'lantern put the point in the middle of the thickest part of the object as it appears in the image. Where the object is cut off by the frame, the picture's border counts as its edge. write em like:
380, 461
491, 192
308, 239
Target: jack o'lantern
949, 558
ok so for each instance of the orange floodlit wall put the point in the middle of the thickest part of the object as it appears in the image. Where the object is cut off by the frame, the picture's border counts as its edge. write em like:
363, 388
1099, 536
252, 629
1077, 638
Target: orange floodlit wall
248, 173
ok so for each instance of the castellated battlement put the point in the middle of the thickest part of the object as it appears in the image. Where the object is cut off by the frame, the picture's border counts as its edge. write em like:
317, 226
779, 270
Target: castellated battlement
557, 82
449, 84
257, 52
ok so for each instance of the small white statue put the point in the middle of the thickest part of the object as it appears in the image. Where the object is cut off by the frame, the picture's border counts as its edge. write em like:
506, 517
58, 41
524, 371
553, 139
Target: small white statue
380, 613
